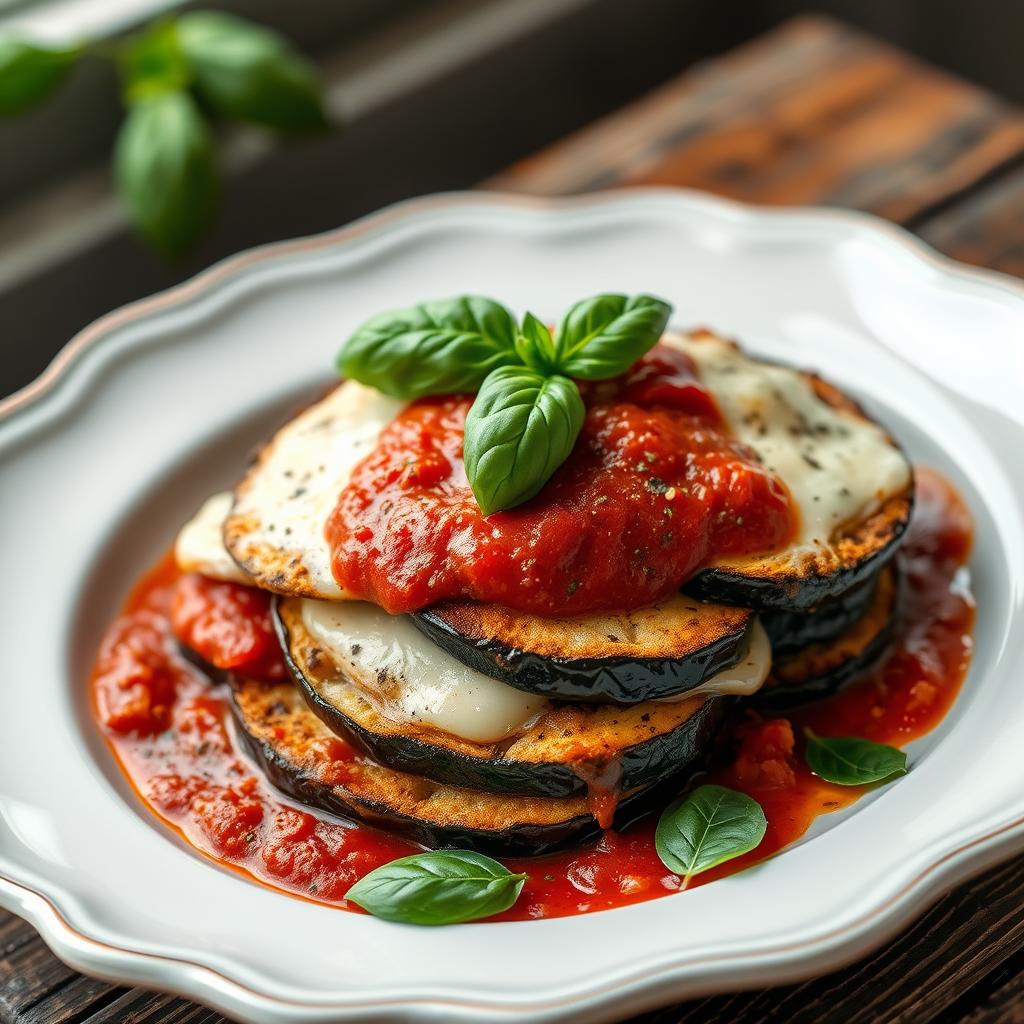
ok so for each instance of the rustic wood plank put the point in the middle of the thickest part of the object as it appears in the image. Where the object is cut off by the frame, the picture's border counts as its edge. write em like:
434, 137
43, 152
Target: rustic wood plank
79, 1000
29, 974
812, 113
1002, 1002
985, 228
139, 1007
952, 948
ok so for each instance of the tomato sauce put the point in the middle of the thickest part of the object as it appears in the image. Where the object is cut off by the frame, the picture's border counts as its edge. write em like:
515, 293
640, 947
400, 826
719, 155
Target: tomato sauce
654, 489
168, 726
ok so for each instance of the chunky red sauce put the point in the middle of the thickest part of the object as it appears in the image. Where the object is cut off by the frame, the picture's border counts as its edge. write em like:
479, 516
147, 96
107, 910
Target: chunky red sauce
167, 724
655, 488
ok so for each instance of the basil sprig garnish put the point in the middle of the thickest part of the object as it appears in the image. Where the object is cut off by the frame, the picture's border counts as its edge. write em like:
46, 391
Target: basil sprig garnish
438, 887
711, 825
528, 412
851, 761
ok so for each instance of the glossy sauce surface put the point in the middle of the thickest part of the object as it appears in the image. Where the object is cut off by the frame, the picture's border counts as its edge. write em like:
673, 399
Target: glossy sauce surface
655, 488
168, 726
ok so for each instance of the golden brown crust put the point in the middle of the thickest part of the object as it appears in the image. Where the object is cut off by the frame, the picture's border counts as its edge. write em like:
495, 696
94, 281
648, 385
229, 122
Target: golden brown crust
674, 628
275, 716
567, 733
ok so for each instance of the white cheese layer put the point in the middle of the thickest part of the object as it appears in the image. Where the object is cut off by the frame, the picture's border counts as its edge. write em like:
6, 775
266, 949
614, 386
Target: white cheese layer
744, 678
838, 467
200, 544
276, 526
408, 678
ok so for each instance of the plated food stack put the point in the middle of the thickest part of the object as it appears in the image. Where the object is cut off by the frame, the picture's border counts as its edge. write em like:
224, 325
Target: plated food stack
523, 573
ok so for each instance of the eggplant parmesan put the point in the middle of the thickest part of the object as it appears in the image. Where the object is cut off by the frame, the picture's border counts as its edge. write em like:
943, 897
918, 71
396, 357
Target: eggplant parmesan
514, 621
386, 689
293, 747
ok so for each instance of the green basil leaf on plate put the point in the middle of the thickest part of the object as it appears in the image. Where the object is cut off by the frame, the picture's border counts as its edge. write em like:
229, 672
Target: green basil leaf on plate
850, 761
535, 345
708, 827
30, 73
438, 887
519, 430
435, 348
165, 167
251, 73
603, 336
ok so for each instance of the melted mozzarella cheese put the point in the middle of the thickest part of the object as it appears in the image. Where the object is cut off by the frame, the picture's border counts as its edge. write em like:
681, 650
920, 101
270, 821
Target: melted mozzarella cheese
838, 467
200, 544
410, 679
275, 529
744, 678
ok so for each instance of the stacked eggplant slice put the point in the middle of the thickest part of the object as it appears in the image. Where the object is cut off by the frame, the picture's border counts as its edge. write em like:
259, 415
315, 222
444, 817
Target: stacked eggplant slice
485, 728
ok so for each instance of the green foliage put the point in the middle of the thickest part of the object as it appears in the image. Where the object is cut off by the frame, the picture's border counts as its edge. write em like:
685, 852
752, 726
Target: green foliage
519, 430
166, 171
435, 348
711, 825
165, 157
437, 887
603, 336
28, 73
151, 63
249, 73
851, 761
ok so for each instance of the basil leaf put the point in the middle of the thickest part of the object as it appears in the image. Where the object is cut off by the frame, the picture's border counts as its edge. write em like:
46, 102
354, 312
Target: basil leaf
850, 761
706, 828
439, 887
151, 63
535, 345
603, 336
29, 73
165, 169
435, 348
250, 73
519, 430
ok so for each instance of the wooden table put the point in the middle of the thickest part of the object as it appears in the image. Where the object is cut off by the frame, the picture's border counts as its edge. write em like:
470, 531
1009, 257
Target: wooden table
812, 113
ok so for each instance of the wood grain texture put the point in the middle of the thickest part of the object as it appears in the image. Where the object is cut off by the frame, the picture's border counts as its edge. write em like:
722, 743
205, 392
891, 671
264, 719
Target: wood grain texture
812, 113
985, 228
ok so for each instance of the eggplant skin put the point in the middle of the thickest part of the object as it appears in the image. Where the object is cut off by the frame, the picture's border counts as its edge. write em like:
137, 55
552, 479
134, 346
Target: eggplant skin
790, 632
699, 641
802, 586
545, 761
281, 734
821, 669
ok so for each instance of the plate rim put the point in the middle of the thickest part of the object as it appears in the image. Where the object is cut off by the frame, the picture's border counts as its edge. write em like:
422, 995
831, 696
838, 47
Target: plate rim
645, 987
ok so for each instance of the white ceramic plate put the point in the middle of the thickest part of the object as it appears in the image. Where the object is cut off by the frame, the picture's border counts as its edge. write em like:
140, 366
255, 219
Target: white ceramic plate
156, 405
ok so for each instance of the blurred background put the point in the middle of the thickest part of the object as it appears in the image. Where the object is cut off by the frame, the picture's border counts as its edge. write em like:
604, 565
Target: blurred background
428, 95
